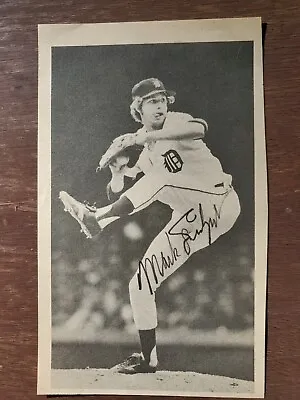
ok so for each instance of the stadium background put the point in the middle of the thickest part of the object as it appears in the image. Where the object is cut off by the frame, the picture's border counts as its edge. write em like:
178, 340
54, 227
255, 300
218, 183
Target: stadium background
208, 304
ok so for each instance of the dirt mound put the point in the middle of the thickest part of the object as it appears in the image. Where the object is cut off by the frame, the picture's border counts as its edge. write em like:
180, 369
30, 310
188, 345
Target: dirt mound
104, 381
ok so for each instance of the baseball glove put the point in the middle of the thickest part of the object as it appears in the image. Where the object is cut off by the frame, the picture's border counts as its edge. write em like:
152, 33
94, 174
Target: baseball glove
117, 148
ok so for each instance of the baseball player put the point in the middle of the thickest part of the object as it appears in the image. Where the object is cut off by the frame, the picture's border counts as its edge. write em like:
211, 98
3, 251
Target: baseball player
178, 170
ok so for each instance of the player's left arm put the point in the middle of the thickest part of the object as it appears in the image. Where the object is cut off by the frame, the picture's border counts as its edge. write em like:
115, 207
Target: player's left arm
193, 129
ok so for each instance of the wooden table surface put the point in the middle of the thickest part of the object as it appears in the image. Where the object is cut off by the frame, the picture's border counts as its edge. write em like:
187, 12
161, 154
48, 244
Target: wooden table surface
18, 161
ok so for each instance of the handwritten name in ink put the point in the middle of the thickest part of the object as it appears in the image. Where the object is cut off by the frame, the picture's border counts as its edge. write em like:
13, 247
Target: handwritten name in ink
156, 265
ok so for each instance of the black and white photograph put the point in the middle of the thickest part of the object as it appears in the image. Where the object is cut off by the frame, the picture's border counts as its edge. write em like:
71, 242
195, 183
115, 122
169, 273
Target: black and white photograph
152, 209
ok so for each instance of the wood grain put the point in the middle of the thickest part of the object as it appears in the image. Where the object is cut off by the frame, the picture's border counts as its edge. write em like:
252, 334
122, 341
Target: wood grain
18, 162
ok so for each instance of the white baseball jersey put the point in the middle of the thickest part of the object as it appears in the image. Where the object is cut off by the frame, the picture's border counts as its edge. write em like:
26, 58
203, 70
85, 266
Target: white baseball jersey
189, 162
187, 166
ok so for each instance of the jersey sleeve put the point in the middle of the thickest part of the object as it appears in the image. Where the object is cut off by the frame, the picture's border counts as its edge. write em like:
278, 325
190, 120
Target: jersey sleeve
200, 121
175, 118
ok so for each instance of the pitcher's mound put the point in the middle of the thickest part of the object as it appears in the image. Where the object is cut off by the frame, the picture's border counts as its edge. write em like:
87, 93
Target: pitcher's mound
163, 382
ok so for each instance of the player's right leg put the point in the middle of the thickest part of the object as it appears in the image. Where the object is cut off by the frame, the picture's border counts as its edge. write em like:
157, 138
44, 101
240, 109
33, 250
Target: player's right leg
180, 238
142, 289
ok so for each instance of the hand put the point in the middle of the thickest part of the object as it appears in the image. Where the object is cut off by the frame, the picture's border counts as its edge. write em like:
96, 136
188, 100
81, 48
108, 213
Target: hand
118, 164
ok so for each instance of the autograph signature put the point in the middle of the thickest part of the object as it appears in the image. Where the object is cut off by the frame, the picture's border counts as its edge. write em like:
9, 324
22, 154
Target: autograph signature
191, 216
157, 265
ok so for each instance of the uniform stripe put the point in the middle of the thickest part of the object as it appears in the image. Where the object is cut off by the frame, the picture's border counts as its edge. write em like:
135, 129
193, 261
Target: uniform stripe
181, 188
200, 121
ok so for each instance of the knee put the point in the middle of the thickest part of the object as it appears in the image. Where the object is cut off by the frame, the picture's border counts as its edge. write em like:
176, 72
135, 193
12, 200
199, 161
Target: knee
231, 212
236, 205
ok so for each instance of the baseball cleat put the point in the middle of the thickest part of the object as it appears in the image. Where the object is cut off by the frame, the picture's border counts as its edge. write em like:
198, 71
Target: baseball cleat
82, 213
134, 364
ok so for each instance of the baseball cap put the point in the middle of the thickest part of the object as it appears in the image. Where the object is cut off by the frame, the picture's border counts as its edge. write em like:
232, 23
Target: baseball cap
148, 87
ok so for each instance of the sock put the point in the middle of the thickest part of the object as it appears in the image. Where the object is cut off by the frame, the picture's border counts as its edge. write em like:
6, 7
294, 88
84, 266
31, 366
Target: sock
148, 345
121, 207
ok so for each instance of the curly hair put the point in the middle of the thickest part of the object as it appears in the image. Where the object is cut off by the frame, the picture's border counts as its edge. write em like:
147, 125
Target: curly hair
135, 107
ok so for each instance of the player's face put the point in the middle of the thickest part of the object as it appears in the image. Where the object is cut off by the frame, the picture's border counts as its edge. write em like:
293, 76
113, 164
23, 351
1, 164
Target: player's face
154, 111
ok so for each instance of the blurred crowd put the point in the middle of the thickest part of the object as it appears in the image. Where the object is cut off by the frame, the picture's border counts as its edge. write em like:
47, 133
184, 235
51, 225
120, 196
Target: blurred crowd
90, 280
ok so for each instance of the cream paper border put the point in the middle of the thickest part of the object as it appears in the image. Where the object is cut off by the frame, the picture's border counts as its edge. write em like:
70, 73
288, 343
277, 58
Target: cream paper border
235, 29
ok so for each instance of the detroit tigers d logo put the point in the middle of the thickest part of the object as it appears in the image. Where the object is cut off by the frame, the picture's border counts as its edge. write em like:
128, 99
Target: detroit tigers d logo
172, 161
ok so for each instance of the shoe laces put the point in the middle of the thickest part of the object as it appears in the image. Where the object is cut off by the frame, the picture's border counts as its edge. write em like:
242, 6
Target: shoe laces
133, 356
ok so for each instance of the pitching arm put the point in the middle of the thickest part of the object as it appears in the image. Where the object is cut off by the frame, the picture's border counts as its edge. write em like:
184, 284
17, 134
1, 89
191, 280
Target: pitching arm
194, 129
